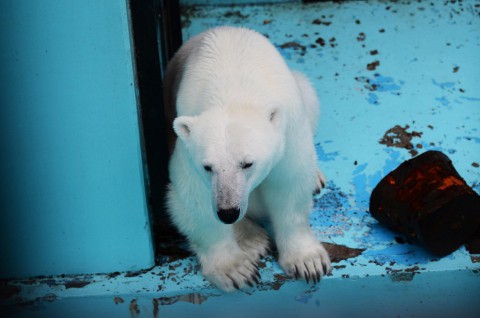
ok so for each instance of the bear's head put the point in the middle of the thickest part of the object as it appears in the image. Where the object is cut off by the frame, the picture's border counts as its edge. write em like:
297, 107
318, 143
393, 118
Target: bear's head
232, 150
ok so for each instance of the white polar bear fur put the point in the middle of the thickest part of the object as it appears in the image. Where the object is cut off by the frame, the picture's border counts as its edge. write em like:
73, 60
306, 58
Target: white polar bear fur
243, 115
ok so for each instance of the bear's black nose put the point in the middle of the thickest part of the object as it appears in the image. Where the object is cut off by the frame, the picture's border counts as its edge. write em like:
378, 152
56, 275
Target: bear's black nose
228, 216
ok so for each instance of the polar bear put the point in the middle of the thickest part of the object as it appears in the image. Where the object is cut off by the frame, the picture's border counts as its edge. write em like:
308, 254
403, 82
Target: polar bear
244, 154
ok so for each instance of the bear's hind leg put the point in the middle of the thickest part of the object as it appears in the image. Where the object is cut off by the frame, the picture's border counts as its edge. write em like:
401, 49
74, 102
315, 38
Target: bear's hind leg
309, 98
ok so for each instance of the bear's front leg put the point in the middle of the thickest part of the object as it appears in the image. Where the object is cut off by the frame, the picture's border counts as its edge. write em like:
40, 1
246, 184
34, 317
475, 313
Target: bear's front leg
252, 239
231, 262
301, 255
225, 263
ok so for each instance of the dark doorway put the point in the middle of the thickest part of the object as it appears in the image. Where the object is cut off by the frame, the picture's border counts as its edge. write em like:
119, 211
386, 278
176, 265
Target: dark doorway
157, 34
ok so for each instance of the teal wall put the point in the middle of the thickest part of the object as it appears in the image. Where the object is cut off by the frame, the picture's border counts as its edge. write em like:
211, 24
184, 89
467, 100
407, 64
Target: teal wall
72, 194
230, 2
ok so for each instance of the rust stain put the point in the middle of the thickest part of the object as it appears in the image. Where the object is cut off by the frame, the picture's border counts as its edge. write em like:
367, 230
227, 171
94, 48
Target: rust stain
76, 284
399, 137
373, 66
294, 45
194, 298
321, 22
134, 310
118, 300
407, 275
339, 253
279, 280
156, 307
475, 259
138, 273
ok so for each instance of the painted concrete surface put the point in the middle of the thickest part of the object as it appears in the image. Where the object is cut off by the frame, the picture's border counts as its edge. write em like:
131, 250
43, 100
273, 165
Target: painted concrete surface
375, 65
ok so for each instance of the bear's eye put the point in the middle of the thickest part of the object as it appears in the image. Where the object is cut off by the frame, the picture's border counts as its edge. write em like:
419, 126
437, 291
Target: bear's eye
207, 168
246, 165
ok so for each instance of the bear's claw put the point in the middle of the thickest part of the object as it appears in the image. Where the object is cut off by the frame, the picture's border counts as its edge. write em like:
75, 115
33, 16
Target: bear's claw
233, 275
321, 182
235, 285
253, 239
256, 277
311, 267
308, 275
250, 281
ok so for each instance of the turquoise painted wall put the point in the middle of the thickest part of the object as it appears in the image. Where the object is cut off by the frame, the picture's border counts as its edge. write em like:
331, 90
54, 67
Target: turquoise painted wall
230, 2
72, 194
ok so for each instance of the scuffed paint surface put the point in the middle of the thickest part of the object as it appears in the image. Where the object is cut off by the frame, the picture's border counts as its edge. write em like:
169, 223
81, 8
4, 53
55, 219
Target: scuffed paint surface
404, 72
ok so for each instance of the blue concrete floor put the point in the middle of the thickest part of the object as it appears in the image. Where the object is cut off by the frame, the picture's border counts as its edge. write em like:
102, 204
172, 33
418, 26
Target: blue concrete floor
376, 65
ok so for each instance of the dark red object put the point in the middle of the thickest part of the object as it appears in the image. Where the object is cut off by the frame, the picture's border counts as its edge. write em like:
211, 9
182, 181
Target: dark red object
427, 200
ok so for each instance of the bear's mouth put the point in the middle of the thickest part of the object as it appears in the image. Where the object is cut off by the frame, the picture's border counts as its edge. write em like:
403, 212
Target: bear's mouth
228, 216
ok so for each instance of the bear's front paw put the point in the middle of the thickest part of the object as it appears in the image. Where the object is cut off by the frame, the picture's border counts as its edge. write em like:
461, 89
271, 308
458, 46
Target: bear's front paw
320, 183
310, 263
231, 270
252, 239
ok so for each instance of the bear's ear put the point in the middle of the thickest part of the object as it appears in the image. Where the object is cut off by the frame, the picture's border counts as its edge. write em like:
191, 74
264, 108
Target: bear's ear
274, 116
183, 126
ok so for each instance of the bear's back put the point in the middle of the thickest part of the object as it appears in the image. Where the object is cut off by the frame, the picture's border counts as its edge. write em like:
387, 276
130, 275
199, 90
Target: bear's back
229, 65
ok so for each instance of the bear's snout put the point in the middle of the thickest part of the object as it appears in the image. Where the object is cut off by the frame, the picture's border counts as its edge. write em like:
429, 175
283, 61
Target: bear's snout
228, 216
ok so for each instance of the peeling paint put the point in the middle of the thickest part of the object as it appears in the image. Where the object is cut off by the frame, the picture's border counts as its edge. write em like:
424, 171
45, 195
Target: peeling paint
133, 308
400, 138
76, 284
194, 298
118, 300
340, 252
405, 275
324, 156
378, 84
